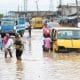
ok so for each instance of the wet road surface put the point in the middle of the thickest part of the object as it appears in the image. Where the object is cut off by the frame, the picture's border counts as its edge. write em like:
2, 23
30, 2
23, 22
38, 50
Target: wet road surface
39, 65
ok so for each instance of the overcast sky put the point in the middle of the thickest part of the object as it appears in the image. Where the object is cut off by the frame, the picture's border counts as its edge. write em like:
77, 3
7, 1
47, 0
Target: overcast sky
11, 5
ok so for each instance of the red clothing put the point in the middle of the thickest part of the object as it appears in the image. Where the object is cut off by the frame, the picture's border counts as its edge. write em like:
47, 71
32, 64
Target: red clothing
6, 38
46, 31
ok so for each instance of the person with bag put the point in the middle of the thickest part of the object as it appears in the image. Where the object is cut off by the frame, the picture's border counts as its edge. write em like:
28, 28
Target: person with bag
29, 29
7, 44
18, 46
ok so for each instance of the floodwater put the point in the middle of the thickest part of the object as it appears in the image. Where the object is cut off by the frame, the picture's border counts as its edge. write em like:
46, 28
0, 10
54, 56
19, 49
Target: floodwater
39, 65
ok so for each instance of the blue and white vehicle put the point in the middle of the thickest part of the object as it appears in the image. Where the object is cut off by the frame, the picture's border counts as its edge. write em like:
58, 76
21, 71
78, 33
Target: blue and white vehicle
20, 25
12, 26
7, 25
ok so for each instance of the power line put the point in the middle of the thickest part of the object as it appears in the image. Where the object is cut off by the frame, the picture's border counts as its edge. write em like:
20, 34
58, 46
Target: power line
25, 5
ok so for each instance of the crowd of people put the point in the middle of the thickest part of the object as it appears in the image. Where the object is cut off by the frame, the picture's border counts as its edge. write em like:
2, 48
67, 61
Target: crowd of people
47, 27
46, 35
7, 42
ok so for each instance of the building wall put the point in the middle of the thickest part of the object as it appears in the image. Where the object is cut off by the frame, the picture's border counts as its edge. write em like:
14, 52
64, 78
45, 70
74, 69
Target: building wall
32, 13
68, 10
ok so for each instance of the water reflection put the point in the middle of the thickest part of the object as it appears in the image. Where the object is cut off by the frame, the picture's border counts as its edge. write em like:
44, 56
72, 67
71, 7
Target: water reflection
67, 56
48, 54
62, 56
30, 44
8, 60
19, 70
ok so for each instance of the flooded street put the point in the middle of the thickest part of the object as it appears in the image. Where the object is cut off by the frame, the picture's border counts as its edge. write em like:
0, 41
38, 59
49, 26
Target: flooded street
39, 65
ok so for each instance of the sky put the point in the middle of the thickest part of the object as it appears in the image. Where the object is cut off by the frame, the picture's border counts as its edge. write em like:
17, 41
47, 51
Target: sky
43, 5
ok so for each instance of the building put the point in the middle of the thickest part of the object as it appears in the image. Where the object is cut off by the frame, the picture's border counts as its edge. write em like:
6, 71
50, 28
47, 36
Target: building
69, 9
69, 14
32, 13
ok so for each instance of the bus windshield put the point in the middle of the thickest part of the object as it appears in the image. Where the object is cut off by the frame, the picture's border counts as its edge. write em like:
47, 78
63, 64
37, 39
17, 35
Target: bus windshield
7, 22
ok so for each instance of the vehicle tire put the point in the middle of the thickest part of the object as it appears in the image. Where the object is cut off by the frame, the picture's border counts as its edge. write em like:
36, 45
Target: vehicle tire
56, 50
78, 51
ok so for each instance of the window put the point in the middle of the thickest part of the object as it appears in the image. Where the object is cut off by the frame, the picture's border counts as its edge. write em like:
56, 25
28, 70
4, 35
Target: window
69, 34
64, 34
8, 23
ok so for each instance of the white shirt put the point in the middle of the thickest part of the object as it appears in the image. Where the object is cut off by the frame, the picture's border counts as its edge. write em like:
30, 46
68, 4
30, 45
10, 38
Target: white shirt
9, 44
27, 24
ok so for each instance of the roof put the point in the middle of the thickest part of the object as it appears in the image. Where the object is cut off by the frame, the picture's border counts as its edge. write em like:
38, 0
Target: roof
67, 6
66, 28
8, 19
37, 18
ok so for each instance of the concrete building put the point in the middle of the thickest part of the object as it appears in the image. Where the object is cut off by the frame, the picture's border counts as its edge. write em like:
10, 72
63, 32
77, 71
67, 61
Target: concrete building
69, 9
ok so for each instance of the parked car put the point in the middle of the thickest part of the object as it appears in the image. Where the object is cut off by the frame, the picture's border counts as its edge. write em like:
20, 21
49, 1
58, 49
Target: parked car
52, 25
66, 39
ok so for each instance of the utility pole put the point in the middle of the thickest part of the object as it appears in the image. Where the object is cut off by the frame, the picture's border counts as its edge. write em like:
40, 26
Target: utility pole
18, 11
77, 10
25, 8
36, 1
60, 1
50, 8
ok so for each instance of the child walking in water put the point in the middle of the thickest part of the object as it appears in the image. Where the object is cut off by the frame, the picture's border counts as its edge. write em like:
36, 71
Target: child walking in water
47, 43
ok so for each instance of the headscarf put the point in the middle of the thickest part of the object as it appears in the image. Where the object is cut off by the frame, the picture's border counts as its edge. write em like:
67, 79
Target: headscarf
6, 38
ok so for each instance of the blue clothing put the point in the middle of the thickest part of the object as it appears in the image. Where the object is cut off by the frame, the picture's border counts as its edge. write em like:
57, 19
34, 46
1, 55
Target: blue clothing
1, 44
